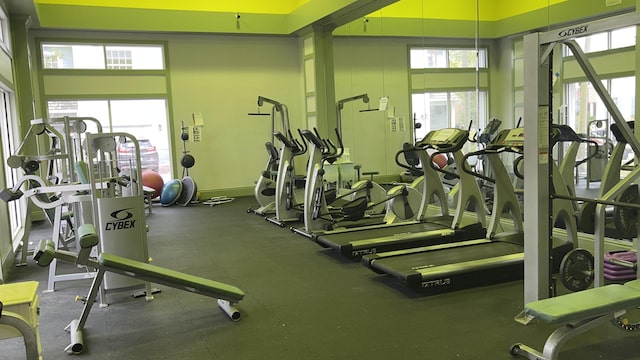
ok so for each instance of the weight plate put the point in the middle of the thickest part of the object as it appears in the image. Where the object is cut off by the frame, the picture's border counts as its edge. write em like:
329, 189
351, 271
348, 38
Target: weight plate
14, 162
576, 270
625, 218
586, 217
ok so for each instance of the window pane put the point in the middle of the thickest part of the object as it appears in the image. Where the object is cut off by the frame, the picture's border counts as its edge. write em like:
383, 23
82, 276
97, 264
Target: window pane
518, 72
420, 119
467, 108
431, 58
584, 105
462, 109
147, 121
68, 56
453, 109
430, 112
482, 58
437, 110
459, 58
518, 49
428, 58
623, 92
98, 109
144, 119
518, 97
135, 57
623, 37
592, 43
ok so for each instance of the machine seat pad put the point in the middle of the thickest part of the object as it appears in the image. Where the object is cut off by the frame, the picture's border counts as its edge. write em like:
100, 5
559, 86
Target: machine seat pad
633, 284
87, 236
171, 278
585, 304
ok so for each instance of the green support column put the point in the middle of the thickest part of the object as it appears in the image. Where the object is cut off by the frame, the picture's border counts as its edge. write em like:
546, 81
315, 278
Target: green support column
21, 67
320, 109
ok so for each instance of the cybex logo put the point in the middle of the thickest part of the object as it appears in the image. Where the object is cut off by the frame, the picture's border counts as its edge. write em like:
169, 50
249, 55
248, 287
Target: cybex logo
573, 31
122, 220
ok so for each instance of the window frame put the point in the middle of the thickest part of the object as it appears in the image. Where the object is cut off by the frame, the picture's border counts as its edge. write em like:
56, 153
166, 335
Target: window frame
609, 35
104, 47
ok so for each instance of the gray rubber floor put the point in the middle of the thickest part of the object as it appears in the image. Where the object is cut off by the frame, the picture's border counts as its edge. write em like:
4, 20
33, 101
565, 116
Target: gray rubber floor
302, 302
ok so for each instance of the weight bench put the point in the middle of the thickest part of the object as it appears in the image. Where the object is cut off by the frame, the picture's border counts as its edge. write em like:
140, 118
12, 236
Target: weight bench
227, 295
578, 312
19, 316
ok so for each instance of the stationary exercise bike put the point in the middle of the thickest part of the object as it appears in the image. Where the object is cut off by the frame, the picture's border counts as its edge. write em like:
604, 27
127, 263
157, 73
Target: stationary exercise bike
407, 206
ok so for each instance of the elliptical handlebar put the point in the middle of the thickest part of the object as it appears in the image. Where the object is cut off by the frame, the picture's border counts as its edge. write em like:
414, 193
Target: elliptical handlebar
564, 133
404, 151
431, 163
296, 147
339, 150
302, 146
502, 143
330, 152
313, 138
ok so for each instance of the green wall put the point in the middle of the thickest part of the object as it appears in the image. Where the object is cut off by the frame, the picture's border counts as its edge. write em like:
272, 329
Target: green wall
441, 24
219, 76
222, 77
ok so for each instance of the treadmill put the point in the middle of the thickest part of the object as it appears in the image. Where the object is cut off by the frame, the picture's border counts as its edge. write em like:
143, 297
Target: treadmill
499, 257
438, 229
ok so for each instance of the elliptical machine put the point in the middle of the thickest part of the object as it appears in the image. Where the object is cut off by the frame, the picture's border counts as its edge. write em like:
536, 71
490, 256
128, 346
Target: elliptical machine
318, 214
265, 189
287, 202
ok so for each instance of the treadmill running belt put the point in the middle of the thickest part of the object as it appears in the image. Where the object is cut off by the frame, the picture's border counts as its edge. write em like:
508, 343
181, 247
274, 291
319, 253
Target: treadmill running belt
453, 268
355, 244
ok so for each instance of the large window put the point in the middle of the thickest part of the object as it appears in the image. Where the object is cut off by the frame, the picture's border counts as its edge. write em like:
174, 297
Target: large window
102, 56
442, 58
458, 109
146, 119
142, 113
7, 129
448, 88
586, 113
5, 38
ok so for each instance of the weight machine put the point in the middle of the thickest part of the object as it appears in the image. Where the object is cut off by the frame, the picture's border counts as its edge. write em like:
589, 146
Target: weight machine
538, 64
58, 145
578, 312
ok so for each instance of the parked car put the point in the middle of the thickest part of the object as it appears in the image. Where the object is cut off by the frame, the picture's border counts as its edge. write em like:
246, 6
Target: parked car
148, 155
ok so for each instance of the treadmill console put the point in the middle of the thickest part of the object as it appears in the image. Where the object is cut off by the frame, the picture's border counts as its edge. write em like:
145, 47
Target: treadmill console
445, 140
511, 138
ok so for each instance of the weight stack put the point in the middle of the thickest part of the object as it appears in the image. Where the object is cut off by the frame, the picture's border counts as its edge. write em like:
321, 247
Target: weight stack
618, 272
